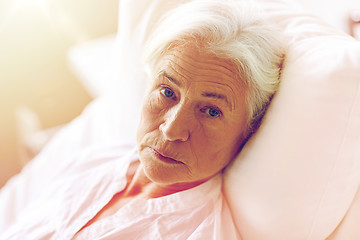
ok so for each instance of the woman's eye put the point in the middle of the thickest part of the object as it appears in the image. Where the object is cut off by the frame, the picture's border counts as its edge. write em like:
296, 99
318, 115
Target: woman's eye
166, 92
212, 112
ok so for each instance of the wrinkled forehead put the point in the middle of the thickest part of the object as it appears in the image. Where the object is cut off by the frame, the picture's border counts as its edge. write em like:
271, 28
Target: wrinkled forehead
195, 60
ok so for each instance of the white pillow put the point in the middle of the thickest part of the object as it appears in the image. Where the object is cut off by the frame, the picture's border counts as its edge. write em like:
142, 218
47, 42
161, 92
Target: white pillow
298, 175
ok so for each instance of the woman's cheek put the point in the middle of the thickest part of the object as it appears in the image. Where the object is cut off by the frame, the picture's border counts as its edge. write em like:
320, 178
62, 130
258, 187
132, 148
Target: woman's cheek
149, 115
154, 103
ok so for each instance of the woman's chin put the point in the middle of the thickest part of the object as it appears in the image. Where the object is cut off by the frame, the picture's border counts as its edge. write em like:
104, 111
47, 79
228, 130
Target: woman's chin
159, 171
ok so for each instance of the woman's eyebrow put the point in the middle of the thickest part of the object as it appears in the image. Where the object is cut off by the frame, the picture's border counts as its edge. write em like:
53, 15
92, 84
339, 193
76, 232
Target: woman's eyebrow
212, 95
217, 96
171, 79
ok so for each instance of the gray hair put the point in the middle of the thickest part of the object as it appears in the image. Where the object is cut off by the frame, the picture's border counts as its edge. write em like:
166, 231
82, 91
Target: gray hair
232, 30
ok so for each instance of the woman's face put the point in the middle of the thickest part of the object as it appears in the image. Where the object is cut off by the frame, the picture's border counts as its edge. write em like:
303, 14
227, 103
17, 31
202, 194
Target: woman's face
193, 117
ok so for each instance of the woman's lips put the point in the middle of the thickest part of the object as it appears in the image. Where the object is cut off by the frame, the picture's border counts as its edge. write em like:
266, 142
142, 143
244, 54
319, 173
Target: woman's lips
161, 156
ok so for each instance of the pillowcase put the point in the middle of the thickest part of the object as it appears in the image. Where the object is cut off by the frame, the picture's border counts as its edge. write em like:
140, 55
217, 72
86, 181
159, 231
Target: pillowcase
297, 176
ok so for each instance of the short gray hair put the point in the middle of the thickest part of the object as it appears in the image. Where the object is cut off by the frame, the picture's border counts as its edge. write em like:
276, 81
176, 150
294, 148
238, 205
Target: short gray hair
232, 30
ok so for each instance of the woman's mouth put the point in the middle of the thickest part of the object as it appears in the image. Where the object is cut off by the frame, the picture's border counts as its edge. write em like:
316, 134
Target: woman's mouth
163, 157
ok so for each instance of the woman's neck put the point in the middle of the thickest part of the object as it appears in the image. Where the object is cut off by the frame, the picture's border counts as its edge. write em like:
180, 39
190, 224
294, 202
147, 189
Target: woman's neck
141, 185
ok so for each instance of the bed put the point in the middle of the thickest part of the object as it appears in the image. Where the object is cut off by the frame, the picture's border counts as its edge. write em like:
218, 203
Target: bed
298, 177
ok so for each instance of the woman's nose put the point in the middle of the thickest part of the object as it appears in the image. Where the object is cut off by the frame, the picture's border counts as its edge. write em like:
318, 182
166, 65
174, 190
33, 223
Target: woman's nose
176, 125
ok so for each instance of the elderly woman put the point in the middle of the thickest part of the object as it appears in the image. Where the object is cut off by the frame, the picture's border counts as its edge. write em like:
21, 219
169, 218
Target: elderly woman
213, 67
